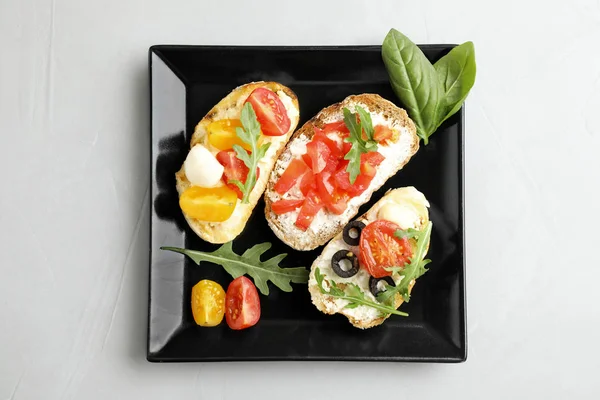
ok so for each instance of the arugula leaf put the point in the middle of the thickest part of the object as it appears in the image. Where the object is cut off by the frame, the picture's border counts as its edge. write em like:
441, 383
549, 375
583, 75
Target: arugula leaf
359, 145
414, 269
431, 93
250, 263
456, 73
354, 295
250, 133
410, 233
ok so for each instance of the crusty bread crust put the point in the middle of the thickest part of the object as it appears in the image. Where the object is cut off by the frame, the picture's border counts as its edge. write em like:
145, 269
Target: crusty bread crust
375, 104
230, 107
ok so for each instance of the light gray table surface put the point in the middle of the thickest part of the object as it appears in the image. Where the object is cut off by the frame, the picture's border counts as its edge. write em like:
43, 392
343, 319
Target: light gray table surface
74, 168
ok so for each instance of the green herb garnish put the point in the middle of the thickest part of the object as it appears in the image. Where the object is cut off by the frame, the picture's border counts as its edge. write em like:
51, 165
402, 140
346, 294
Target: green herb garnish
359, 145
250, 133
250, 263
409, 233
414, 269
354, 295
431, 93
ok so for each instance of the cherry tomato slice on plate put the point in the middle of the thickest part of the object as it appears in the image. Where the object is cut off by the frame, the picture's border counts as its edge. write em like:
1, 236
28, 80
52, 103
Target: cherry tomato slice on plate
242, 305
208, 303
270, 112
380, 249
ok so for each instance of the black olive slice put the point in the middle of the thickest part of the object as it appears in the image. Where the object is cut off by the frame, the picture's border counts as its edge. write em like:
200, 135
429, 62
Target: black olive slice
339, 257
373, 284
352, 232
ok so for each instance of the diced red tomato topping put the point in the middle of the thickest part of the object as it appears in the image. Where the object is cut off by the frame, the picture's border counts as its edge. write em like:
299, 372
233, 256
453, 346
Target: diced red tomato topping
346, 147
284, 206
367, 172
311, 206
336, 127
324, 181
308, 182
306, 158
334, 148
334, 199
374, 158
382, 133
290, 176
319, 155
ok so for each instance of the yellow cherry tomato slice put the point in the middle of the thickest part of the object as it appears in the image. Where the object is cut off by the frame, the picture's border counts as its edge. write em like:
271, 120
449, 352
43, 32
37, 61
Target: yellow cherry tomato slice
222, 134
208, 303
208, 204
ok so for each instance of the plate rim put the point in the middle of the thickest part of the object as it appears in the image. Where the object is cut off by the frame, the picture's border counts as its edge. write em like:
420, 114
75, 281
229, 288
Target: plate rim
461, 357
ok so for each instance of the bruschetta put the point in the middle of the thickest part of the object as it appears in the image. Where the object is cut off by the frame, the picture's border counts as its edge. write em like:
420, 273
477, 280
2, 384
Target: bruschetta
382, 249
217, 187
313, 192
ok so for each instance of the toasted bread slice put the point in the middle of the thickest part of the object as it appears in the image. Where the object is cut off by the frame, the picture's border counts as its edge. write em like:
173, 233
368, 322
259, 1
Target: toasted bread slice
230, 107
397, 153
408, 209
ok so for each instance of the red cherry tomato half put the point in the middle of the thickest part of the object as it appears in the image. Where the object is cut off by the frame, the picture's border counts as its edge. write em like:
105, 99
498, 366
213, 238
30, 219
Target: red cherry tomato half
235, 169
270, 112
380, 249
242, 305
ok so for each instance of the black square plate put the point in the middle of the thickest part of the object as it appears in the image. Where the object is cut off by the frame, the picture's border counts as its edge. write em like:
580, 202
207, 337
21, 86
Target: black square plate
186, 81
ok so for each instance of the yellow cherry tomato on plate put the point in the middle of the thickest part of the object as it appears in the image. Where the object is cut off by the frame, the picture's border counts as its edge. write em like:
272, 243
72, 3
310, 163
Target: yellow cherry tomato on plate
208, 303
222, 134
208, 204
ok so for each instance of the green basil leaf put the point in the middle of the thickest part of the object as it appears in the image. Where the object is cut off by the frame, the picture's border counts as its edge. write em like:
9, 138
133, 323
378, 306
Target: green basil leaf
414, 80
456, 73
